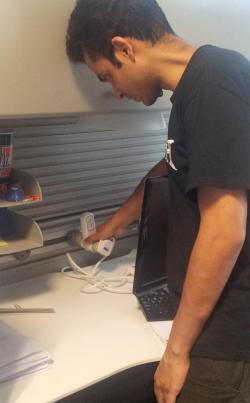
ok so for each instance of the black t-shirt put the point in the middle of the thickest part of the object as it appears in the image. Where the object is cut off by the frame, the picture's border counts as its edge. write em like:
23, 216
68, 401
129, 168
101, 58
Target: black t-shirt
210, 131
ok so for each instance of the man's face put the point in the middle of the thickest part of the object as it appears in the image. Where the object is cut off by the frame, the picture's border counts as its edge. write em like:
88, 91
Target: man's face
132, 81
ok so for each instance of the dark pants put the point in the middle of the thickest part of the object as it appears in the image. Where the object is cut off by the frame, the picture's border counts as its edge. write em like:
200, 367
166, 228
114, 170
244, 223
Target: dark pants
216, 381
208, 381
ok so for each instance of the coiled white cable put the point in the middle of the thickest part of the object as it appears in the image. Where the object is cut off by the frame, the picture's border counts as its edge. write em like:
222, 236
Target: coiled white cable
94, 284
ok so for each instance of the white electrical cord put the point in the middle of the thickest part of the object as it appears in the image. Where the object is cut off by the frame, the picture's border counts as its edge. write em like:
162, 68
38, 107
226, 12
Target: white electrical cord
96, 284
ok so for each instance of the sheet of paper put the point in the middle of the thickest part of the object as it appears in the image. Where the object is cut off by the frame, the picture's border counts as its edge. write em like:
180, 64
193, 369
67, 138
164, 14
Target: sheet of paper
19, 355
162, 329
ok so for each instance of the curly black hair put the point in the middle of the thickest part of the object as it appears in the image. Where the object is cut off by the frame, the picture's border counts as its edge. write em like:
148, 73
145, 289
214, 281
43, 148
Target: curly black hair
93, 24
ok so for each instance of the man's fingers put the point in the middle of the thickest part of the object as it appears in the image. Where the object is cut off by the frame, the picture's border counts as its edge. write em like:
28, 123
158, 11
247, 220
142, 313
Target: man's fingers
171, 398
159, 396
89, 240
163, 396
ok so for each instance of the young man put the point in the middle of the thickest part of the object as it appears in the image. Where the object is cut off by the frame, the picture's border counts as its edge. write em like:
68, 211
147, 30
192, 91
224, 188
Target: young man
131, 45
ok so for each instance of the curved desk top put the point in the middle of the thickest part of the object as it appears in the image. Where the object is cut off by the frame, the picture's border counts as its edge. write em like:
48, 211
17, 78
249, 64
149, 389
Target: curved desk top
90, 337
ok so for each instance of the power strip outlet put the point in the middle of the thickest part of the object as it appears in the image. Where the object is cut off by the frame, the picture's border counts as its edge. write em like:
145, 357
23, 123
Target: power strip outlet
87, 222
103, 247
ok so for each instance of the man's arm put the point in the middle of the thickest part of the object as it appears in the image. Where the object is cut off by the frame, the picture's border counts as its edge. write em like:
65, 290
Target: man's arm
130, 209
223, 216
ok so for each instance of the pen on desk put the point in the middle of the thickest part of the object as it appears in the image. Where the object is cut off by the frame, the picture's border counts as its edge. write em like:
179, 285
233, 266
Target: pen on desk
19, 309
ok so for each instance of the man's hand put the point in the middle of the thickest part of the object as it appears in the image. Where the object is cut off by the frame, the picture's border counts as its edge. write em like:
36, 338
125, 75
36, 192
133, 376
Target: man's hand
105, 231
170, 377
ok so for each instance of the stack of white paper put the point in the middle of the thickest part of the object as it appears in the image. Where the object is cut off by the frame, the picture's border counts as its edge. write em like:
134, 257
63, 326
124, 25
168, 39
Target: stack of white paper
19, 355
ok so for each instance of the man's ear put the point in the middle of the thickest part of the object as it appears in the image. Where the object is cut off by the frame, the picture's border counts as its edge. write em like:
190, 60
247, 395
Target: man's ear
123, 49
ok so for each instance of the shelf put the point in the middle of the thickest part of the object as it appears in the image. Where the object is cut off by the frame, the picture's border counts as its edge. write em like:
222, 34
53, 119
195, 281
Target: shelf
30, 187
26, 236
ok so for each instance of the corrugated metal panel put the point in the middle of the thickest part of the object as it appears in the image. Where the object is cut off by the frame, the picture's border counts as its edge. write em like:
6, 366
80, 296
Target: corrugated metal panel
77, 176
80, 169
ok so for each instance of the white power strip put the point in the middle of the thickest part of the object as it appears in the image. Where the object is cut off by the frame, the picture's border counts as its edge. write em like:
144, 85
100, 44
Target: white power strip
87, 222
103, 247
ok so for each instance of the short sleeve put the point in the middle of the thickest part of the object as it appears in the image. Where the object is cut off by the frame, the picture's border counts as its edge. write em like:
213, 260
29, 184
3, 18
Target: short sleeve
217, 131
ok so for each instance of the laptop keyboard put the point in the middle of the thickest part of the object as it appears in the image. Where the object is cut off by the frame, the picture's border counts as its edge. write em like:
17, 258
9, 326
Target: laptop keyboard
156, 304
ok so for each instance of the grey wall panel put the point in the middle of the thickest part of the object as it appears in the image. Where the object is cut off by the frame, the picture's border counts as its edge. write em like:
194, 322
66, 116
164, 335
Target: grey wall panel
80, 167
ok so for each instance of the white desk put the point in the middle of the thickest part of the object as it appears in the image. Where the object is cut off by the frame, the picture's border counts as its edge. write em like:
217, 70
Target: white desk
90, 337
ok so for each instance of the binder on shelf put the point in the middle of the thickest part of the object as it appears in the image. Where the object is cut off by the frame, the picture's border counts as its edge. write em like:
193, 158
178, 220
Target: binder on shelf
25, 233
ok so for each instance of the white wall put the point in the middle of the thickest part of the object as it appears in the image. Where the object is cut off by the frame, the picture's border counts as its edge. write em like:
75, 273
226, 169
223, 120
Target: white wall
223, 23
36, 77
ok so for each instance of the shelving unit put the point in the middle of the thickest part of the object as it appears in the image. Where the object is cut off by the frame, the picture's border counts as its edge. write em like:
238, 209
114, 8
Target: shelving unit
30, 187
26, 232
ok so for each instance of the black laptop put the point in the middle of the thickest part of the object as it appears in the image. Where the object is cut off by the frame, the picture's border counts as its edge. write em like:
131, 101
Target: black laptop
150, 281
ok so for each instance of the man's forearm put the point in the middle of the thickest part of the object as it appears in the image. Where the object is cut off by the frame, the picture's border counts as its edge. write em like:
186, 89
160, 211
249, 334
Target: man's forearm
209, 268
131, 208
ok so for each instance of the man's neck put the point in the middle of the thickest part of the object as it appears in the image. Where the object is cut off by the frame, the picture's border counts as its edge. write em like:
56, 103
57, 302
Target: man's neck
169, 59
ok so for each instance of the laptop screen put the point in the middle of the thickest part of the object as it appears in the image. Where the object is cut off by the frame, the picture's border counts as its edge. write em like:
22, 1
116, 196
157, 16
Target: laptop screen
150, 268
